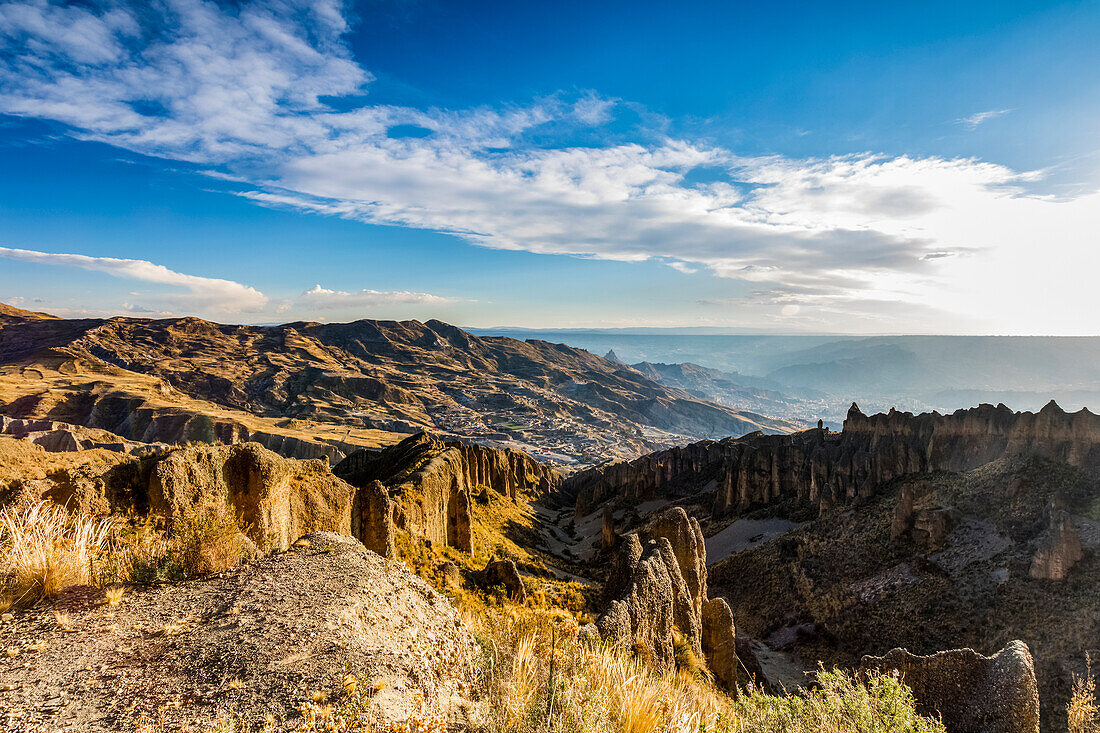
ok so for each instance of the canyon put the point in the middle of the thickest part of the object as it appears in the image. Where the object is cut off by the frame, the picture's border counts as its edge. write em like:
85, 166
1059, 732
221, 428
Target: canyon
822, 468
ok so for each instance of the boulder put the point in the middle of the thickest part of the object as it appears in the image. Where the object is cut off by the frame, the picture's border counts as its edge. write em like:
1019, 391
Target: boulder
451, 575
971, 693
719, 643
503, 573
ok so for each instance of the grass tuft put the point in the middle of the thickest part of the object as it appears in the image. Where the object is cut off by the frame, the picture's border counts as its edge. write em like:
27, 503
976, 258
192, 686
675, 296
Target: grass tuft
44, 549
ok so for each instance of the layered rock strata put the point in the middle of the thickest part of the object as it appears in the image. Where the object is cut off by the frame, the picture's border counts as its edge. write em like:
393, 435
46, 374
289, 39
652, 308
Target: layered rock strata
824, 468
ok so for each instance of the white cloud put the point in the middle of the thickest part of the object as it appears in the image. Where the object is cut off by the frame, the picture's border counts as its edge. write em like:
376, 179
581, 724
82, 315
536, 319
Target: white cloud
240, 90
325, 299
203, 293
979, 117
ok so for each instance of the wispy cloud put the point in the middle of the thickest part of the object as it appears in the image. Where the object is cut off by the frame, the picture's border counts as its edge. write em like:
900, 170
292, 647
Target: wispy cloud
325, 299
203, 293
240, 89
979, 117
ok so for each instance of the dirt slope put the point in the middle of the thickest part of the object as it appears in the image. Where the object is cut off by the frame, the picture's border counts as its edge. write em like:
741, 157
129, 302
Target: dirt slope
246, 644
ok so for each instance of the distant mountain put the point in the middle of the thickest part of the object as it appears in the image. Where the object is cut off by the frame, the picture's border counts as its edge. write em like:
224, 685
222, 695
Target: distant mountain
946, 372
128, 375
740, 391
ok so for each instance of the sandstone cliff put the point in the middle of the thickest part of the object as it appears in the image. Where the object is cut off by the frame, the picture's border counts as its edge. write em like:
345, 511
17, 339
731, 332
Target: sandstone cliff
432, 482
823, 468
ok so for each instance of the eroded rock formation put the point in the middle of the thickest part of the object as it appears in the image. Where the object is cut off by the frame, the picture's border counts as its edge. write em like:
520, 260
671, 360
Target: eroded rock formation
432, 481
927, 524
825, 468
657, 584
970, 692
656, 596
276, 499
719, 643
1060, 548
652, 603
503, 573
372, 518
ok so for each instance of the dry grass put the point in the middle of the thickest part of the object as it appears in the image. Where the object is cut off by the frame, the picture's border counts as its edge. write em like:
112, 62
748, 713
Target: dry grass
205, 539
114, 595
592, 688
1084, 715
44, 548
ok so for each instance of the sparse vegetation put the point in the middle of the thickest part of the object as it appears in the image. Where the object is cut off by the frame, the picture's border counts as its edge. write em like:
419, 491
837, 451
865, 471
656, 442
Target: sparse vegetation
44, 548
596, 689
1082, 711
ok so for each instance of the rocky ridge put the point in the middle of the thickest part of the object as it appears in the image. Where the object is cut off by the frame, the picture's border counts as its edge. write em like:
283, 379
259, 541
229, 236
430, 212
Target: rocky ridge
563, 403
434, 482
823, 469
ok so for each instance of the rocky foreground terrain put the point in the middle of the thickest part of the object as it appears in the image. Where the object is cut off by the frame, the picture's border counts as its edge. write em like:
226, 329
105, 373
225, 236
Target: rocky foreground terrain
312, 389
256, 643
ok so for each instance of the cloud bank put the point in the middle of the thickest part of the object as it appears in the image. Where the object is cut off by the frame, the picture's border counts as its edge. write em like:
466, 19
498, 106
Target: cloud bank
202, 293
246, 92
325, 299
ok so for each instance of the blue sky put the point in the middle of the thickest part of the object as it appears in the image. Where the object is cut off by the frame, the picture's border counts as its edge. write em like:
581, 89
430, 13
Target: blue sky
787, 167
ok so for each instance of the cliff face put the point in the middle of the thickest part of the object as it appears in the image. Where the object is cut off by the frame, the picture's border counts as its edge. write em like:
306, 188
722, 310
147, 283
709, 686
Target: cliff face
826, 468
432, 482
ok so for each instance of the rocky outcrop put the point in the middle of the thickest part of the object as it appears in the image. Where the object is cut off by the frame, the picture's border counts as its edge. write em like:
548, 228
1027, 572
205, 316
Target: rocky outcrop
432, 481
276, 499
656, 589
824, 468
929, 524
60, 437
503, 573
653, 602
719, 643
970, 692
372, 518
686, 538
608, 537
1060, 548
326, 618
